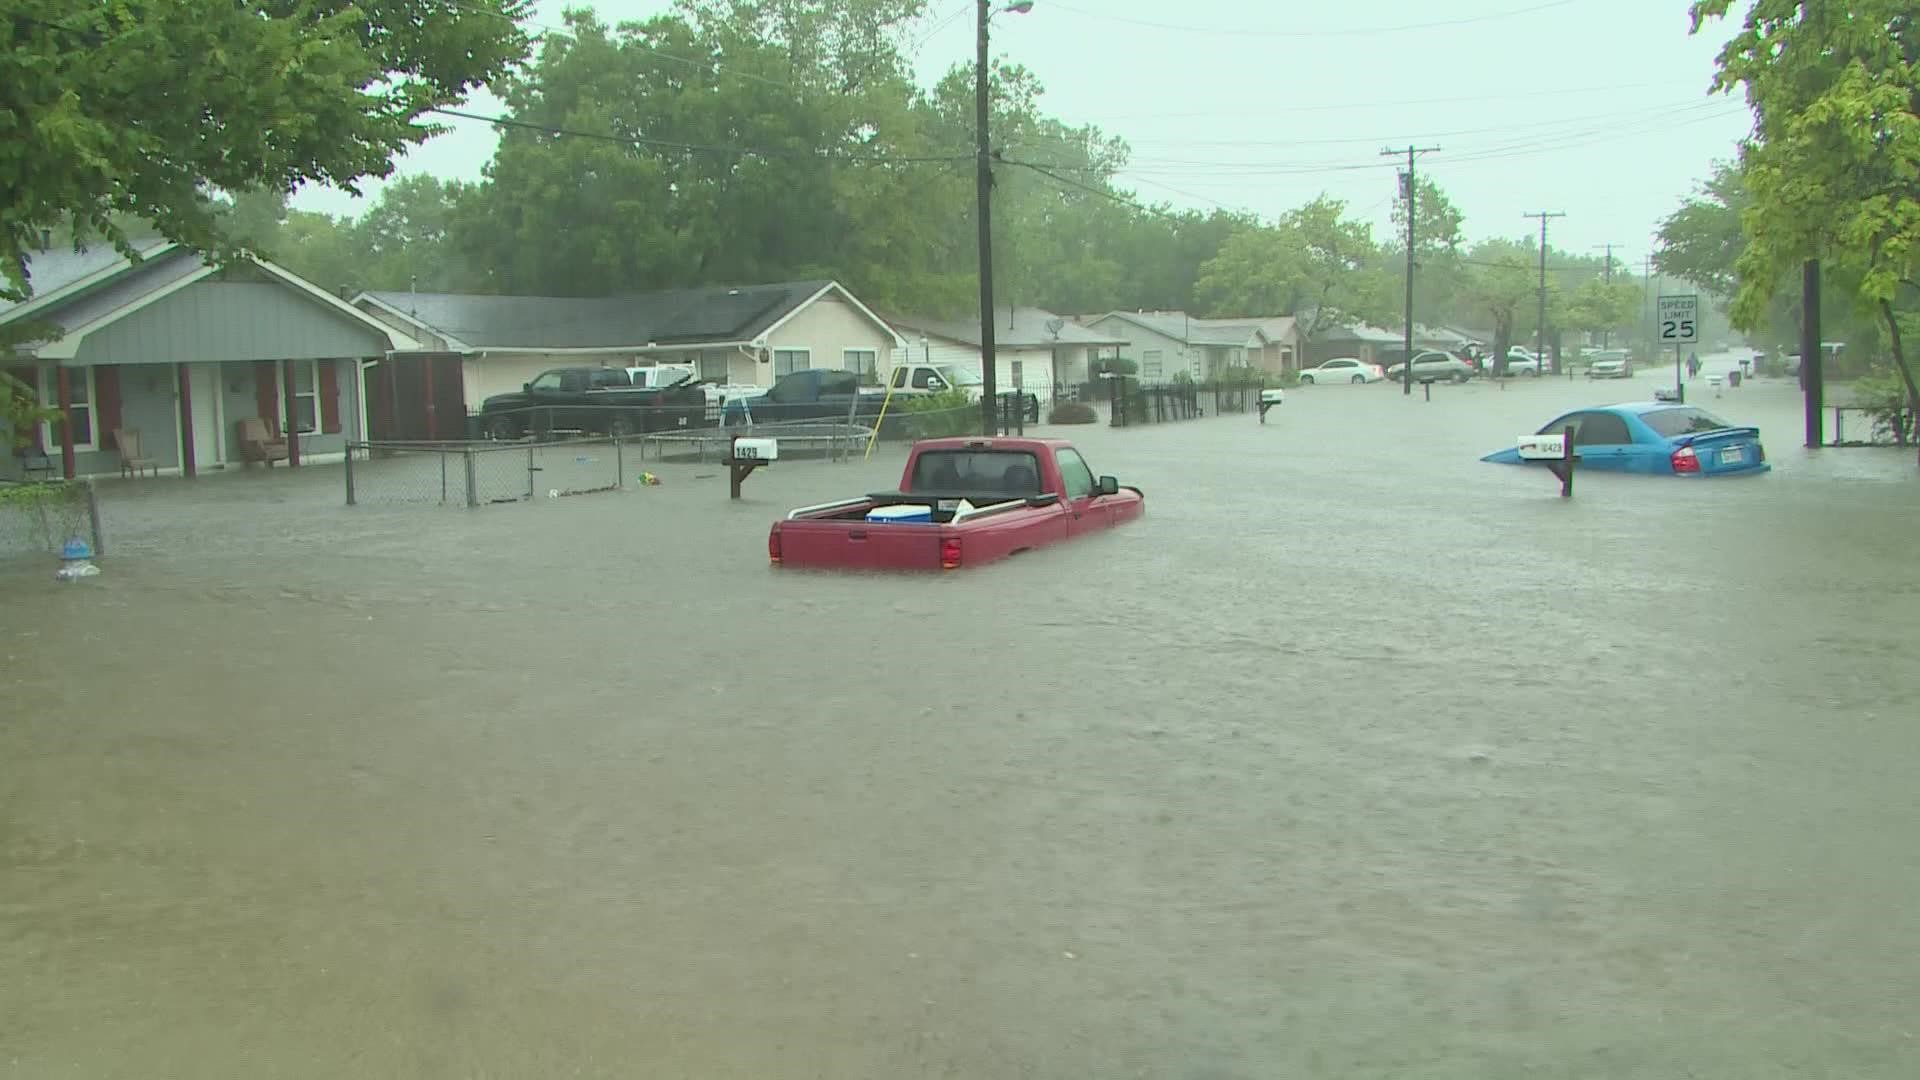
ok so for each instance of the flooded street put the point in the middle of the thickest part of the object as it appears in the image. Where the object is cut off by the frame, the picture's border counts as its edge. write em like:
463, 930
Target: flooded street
1356, 757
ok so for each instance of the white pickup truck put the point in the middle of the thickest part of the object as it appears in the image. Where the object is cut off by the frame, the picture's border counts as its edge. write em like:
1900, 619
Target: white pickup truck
655, 376
935, 378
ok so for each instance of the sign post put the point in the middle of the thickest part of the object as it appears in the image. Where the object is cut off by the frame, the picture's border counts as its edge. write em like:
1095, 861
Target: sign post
1678, 324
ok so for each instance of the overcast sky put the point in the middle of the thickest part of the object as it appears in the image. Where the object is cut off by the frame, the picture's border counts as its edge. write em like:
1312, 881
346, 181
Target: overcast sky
1598, 108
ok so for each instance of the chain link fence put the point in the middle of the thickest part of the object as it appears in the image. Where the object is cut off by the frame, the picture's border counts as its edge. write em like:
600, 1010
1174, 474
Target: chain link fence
483, 473
40, 517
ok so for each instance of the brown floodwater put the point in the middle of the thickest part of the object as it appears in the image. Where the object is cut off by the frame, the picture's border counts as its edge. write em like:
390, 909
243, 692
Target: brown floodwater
1356, 757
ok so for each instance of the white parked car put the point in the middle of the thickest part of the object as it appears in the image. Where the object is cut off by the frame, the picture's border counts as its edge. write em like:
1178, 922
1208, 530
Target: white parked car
1610, 364
1520, 362
1342, 370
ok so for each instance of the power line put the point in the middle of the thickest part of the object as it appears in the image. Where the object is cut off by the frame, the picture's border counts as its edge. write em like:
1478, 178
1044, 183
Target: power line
702, 148
1246, 32
1403, 103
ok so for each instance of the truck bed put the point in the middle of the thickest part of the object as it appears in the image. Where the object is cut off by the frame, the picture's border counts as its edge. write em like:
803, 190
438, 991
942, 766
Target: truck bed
839, 536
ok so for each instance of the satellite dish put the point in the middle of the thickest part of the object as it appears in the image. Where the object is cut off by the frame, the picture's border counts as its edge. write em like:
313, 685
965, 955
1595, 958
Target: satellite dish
1054, 325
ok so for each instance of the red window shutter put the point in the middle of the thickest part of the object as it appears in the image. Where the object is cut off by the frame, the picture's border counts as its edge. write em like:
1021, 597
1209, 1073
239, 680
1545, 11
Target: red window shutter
329, 398
266, 392
106, 410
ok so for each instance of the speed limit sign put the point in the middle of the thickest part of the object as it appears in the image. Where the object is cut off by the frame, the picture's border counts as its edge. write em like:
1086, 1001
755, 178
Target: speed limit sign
1679, 319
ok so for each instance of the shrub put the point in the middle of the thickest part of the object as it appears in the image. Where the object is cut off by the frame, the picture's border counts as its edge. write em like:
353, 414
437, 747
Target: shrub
1073, 412
935, 416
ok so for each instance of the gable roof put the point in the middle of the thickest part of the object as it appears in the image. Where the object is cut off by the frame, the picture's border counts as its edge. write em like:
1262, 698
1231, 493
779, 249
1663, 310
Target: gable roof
715, 315
1180, 326
60, 273
1023, 327
97, 294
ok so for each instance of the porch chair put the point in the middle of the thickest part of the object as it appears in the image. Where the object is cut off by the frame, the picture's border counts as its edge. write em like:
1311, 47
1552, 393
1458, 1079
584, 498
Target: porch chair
261, 441
35, 464
131, 463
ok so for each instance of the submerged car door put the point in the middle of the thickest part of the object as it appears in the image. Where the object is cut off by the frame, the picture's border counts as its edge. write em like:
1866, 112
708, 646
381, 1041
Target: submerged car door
1603, 441
1086, 514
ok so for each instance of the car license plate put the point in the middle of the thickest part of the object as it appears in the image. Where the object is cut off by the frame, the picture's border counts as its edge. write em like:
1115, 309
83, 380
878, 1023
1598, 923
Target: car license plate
1733, 455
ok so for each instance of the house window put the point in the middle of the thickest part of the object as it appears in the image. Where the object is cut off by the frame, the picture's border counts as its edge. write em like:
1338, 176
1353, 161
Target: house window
788, 361
714, 364
80, 398
306, 396
864, 363
1150, 363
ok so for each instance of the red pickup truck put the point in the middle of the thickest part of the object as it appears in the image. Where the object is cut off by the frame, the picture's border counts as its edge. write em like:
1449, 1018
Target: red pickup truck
962, 502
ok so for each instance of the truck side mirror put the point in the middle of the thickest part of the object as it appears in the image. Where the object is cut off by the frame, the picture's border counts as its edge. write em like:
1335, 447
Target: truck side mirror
526, 388
1109, 486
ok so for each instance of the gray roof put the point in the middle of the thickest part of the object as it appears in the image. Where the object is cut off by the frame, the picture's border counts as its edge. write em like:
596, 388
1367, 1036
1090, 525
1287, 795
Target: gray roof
1182, 327
680, 317
59, 267
1020, 327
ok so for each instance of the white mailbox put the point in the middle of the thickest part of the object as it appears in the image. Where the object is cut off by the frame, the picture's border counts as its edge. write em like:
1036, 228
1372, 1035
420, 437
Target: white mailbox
1273, 396
1542, 447
756, 449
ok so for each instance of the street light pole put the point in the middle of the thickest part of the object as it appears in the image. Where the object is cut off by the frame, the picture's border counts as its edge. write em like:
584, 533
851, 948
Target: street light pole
983, 193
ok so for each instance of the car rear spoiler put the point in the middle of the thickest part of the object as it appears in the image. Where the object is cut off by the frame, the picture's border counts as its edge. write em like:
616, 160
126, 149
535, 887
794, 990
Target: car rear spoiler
1721, 435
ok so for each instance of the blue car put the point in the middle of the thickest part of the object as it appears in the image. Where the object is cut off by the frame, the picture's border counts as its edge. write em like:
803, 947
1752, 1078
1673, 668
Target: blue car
1657, 438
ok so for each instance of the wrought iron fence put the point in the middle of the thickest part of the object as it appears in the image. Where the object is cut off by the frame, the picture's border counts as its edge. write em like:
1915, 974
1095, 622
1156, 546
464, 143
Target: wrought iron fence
1130, 403
41, 516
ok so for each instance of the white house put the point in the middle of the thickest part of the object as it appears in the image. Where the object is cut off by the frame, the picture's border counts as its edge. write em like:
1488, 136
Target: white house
1033, 349
748, 335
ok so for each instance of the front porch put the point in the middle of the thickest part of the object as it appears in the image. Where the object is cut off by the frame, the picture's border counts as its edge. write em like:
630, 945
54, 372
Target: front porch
192, 359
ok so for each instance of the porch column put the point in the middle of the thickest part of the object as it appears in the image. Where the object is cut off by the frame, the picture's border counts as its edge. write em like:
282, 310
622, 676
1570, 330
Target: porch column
290, 410
188, 466
63, 381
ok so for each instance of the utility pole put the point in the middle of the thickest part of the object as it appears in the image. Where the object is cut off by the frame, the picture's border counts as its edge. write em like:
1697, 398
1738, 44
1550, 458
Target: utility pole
1540, 331
1606, 332
983, 192
1812, 353
1410, 191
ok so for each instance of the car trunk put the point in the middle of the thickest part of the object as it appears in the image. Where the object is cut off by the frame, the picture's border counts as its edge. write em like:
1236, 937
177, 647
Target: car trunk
1727, 450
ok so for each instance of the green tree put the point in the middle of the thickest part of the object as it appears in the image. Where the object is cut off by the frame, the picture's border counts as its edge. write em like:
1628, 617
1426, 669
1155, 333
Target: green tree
1315, 264
1503, 285
1835, 89
118, 110
1600, 306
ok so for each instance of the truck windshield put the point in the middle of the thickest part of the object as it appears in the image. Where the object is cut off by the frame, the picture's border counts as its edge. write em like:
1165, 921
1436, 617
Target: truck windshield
1006, 472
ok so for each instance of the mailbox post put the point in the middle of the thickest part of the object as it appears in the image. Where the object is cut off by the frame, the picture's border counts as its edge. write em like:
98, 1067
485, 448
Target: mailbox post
745, 455
1554, 451
1268, 399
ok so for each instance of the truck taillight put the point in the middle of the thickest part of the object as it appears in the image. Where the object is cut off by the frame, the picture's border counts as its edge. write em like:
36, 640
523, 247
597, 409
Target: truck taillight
1685, 460
950, 553
773, 545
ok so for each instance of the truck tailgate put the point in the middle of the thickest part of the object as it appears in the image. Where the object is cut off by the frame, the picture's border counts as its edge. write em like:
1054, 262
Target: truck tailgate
859, 545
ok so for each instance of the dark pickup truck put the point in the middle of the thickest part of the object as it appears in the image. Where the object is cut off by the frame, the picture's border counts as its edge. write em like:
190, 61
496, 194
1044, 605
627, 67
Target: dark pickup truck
592, 399
814, 394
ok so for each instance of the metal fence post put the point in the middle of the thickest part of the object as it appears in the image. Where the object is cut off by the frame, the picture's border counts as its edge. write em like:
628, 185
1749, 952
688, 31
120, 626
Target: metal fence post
531, 469
443, 477
349, 464
619, 464
473, 488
